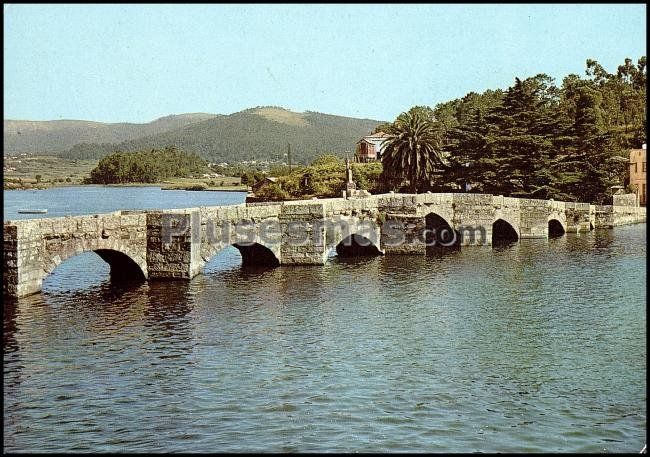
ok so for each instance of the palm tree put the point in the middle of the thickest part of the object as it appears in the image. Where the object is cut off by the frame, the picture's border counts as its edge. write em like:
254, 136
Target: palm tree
412, 149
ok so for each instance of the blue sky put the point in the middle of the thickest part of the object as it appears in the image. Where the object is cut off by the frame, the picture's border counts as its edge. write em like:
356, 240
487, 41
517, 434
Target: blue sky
135, 63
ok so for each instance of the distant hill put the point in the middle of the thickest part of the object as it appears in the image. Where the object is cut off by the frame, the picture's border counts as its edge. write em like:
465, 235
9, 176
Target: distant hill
59, 136
260, 133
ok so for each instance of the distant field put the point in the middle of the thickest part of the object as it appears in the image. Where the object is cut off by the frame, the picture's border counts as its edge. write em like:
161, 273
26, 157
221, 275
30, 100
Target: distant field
22, 172
53, 171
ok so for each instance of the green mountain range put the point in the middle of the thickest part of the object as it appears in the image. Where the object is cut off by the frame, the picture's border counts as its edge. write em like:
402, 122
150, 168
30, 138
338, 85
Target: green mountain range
46, 137
260, 134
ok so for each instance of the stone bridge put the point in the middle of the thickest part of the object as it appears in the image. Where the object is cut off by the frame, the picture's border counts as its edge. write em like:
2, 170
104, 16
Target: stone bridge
176, 244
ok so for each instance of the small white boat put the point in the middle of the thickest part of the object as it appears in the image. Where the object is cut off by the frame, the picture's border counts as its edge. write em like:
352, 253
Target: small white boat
32, 211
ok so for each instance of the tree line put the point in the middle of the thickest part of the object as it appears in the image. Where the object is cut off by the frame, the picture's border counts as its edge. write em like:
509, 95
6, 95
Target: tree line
533, 140
146, 166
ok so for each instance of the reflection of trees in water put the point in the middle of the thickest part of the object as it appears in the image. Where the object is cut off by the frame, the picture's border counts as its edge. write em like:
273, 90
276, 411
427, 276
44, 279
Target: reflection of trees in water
587, 242
228, 282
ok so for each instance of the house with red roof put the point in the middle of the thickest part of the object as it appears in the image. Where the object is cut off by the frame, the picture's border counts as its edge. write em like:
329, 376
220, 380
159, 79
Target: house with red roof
370, 147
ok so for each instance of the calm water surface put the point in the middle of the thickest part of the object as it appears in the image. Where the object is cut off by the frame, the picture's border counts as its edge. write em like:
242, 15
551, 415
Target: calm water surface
536, 347
73, 201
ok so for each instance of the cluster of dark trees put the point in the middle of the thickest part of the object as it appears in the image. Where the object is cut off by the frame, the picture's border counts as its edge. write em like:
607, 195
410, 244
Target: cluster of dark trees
532, 140
146, 166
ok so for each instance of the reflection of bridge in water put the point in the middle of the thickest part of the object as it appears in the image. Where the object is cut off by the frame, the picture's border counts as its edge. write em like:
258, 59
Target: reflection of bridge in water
176, 244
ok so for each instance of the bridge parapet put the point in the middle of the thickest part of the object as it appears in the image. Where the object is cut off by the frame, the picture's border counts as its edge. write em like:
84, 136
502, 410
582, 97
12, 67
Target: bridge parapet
608, 216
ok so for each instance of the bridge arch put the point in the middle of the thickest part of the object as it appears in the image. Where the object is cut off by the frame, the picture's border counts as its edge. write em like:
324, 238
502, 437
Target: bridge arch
503, 232
257, 254
357, 245
555, 228
252, 254
125, 265
439, 233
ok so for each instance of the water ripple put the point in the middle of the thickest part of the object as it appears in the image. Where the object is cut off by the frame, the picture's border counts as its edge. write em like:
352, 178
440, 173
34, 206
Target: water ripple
539, 347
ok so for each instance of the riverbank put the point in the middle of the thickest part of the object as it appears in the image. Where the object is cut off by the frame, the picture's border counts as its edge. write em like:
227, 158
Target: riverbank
198, 185
46, 172
188, 184
222, 183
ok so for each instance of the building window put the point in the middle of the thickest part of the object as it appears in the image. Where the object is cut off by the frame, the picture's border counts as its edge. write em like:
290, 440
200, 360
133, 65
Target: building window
635, 168
643, 167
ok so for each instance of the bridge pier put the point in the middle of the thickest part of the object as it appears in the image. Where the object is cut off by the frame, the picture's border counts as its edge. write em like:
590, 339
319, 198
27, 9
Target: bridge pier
401, 234
580, 217
533, 218
303, 234
11, 285
173, 245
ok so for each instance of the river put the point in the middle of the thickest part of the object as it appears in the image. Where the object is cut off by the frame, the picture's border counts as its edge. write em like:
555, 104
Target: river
535, 347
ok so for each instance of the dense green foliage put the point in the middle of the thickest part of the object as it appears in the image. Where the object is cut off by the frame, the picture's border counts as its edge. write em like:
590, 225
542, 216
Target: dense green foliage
535, 139
259, 134
324, 178
413, 150
146, 166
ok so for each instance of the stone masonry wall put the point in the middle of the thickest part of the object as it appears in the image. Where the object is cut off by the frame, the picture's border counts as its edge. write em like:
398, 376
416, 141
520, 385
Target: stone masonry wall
608, 216
170, 245
578, 216
10, 259
34, 247
533, 221
301, 232
402, 234
474, 215
625, 200
233, 224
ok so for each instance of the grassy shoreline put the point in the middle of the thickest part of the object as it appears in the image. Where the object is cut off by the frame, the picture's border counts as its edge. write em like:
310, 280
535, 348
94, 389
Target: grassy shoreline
46, 172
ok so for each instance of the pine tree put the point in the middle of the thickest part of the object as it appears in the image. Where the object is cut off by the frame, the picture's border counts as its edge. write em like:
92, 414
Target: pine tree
520, 141
471, 165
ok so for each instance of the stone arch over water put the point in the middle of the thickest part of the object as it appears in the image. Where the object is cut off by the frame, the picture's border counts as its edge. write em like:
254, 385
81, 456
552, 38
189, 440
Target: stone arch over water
92, 274
256, 254
503, 233
252, 254
356, 245
124, 264
123, 267
555, 228
439, 235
